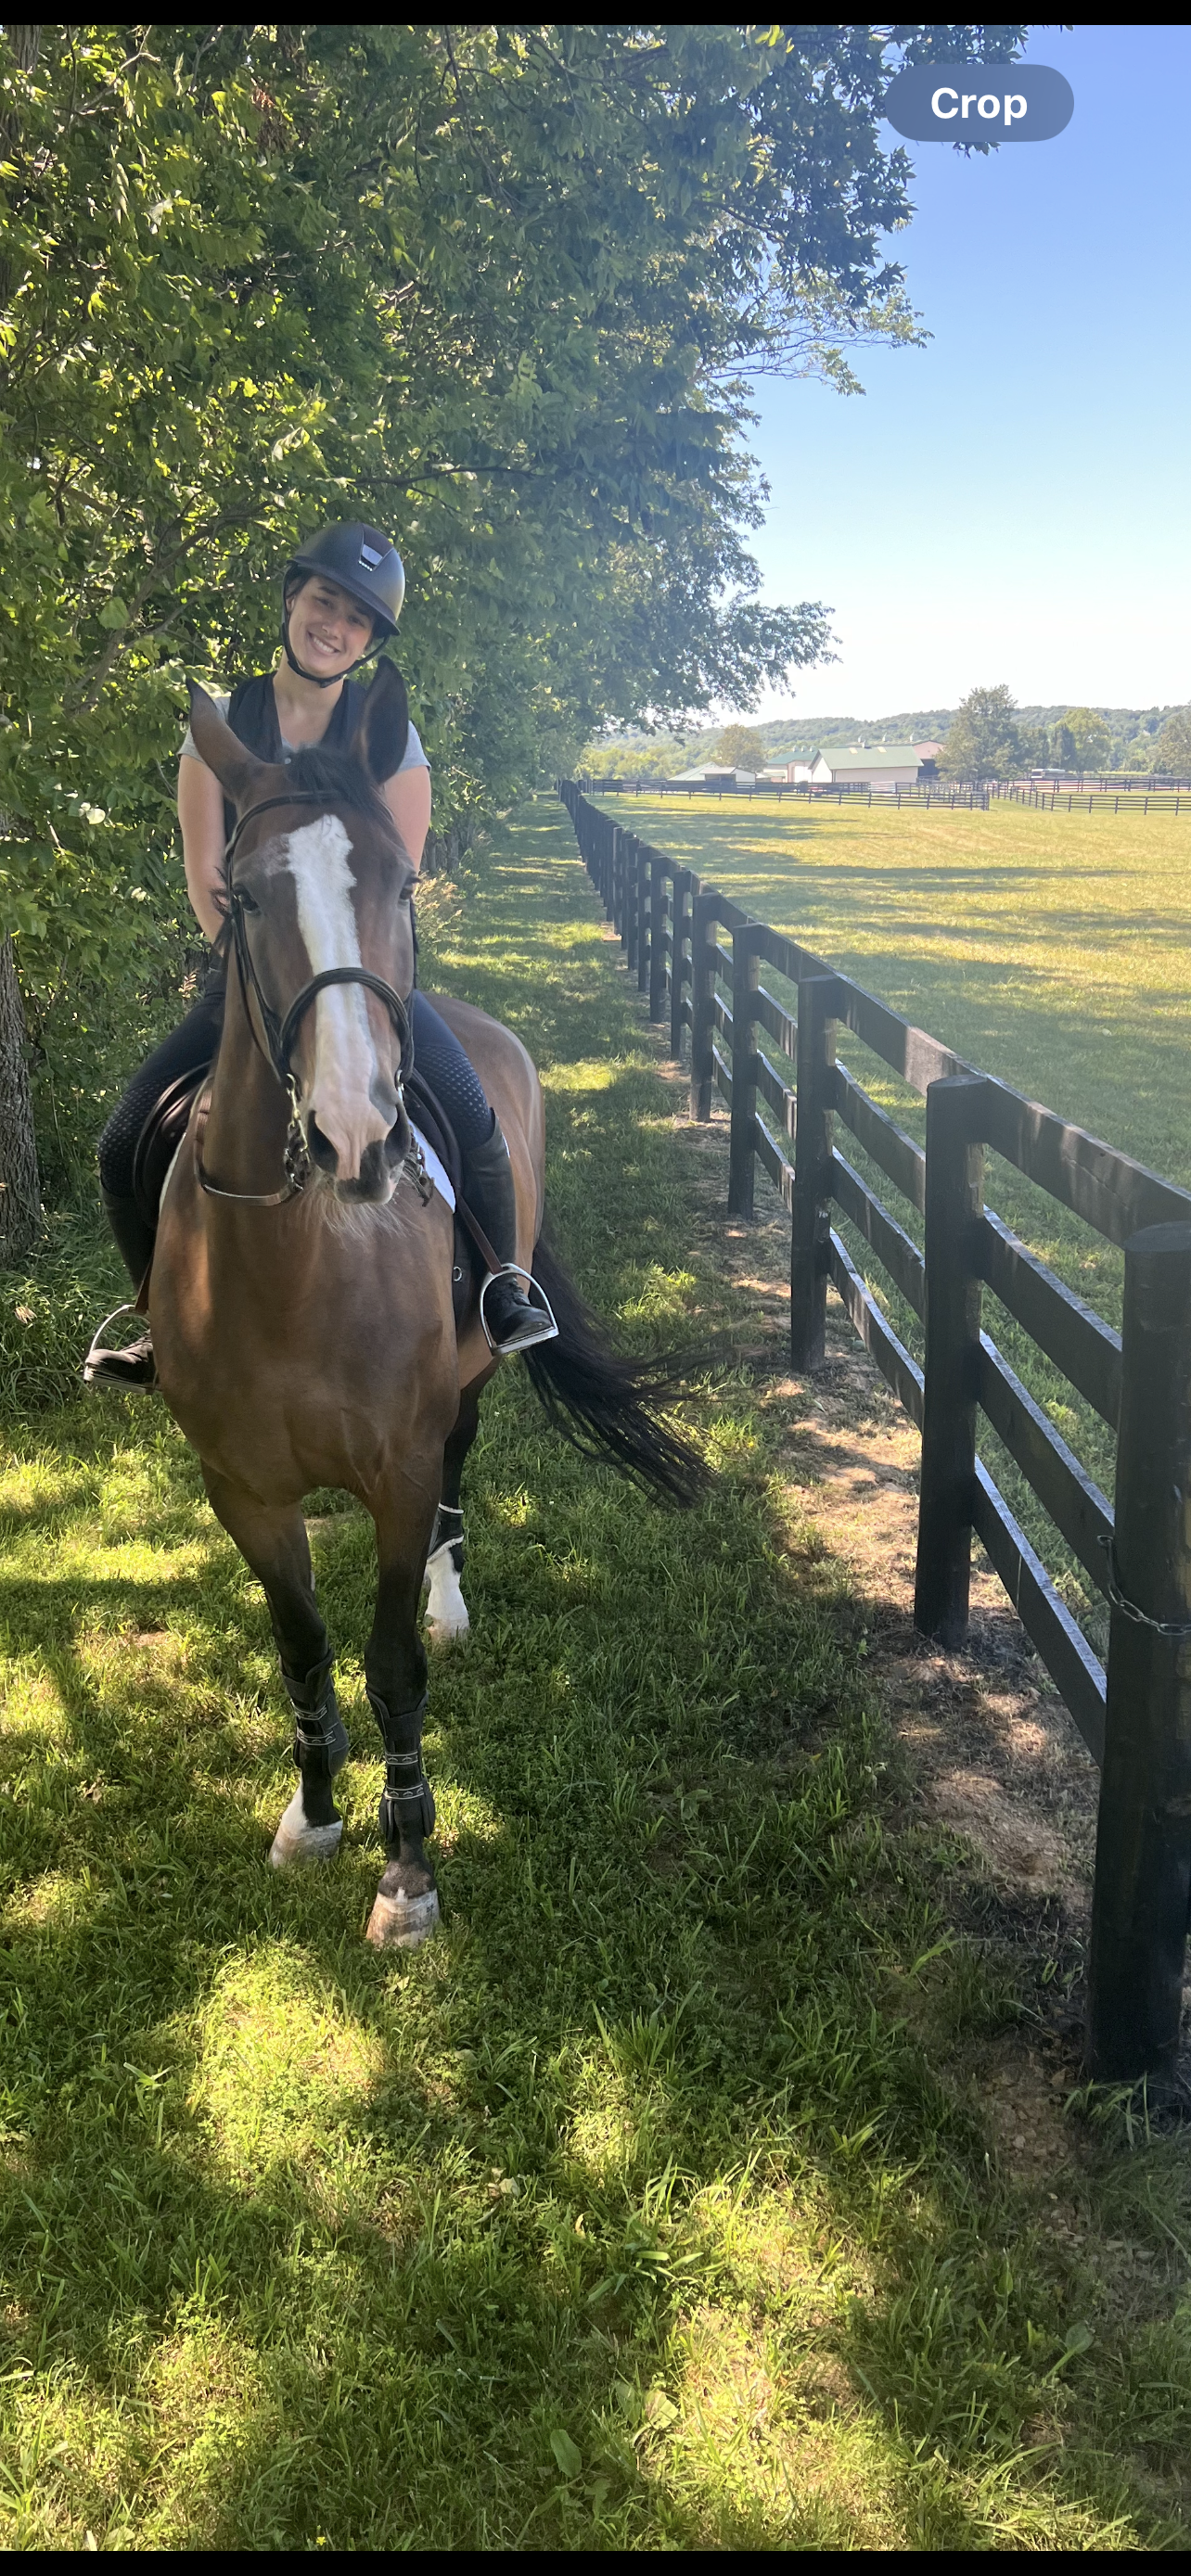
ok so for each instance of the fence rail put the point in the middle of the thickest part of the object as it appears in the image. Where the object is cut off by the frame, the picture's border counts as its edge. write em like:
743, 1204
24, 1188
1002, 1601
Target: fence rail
1142, 798
1134, 1713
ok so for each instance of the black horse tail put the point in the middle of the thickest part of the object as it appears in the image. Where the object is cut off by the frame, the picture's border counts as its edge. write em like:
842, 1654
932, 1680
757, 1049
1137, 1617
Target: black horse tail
604, 1402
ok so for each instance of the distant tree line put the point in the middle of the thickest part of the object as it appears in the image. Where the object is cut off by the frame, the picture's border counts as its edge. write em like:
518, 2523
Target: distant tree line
986, 739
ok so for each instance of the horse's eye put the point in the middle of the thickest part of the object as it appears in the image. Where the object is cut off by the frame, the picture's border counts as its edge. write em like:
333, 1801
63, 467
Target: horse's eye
247, 902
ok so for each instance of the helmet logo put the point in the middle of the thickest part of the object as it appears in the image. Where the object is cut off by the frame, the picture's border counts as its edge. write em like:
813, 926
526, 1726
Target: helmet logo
368, 555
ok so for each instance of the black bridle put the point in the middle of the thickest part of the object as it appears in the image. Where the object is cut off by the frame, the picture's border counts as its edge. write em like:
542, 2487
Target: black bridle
280, 1033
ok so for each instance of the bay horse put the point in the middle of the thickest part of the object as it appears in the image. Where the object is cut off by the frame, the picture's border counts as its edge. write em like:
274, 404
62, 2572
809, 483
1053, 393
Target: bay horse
301, 1294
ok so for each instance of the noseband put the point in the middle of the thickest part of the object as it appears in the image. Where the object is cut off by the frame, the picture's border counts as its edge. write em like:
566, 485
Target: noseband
281, 1033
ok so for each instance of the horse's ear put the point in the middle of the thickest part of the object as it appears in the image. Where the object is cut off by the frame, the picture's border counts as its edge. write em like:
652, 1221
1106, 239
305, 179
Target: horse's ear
383, 730
239, 771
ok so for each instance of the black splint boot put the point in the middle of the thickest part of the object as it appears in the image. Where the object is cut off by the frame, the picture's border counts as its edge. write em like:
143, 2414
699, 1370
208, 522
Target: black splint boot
513, 1309
132, 1371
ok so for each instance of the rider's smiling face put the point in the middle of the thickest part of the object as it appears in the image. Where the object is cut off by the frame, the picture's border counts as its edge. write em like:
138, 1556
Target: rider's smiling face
328, 630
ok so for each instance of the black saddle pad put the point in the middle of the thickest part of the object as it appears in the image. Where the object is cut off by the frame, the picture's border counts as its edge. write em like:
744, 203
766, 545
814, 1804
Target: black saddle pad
159, 1139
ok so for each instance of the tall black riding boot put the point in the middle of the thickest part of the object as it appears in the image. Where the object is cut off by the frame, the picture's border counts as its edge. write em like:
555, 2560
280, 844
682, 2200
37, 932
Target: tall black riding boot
512, 1309
134, 1239
132, 1370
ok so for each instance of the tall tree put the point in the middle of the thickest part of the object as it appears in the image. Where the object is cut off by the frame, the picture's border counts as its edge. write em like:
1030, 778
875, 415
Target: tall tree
1090, 738
742, 747
500, 289
1172, 750
983, 740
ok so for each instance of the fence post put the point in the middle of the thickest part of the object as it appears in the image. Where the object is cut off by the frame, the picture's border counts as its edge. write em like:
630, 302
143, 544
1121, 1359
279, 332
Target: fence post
818, 1000
679, 927
657, 938
703, 928
617, 873
644, 925
954, 1202
1143, 1836
746, 975
630, 932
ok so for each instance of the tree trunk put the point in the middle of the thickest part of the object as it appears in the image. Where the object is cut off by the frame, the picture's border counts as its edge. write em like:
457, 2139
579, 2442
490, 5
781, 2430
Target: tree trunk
26, 45
20, 1194
20, 1197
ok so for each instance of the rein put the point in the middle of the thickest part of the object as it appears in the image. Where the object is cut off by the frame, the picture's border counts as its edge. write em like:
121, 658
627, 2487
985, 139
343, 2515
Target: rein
280, 1033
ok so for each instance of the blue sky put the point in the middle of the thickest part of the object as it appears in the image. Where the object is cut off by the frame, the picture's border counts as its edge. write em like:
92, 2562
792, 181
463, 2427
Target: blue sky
1013, 501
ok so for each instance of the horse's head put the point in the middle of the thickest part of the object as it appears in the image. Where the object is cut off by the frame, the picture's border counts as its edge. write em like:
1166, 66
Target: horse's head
318, 886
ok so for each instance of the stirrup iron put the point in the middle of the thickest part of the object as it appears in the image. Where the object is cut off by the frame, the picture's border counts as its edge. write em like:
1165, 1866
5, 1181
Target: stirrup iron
525, 1339
93, 1372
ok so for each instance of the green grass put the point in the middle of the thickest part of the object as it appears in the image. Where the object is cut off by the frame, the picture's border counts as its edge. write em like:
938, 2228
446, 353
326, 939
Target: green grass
653, 2204
1051, 949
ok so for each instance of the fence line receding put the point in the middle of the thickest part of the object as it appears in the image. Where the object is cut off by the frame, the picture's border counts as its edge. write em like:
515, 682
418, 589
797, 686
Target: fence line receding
1134, 1712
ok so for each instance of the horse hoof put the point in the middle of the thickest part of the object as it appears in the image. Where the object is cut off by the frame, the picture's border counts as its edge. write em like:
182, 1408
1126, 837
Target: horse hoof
296, 1842
402, 1922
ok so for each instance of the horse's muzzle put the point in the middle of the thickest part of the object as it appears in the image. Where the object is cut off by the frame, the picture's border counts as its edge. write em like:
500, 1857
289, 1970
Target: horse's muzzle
380, 1163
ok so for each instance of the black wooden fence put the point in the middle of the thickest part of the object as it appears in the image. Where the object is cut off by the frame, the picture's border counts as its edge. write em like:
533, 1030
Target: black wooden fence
1135, 1712
1141, 797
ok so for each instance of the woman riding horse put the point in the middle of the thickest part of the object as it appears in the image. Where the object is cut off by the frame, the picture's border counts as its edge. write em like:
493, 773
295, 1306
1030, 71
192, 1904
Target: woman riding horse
341, 599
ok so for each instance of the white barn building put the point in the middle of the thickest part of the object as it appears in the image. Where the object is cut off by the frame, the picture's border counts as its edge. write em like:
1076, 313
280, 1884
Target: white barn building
713, 774
881, 765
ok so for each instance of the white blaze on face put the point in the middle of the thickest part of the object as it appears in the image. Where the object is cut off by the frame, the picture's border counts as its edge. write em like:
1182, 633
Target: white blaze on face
345, 1062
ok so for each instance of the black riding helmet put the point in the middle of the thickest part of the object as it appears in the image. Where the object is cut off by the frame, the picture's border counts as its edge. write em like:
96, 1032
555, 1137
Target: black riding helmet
367, 566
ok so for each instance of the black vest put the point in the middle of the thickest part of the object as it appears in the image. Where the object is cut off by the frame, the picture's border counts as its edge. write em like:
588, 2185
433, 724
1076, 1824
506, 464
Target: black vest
252, 715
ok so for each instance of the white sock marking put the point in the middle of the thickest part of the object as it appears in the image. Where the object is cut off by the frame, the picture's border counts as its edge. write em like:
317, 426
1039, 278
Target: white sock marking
446, 1609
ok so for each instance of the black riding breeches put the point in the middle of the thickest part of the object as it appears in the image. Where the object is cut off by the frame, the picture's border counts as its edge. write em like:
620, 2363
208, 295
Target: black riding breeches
451, 1076
191, 1046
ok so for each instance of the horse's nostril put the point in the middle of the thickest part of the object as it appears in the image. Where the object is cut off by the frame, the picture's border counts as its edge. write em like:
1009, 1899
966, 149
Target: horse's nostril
399, 1139
322, 1151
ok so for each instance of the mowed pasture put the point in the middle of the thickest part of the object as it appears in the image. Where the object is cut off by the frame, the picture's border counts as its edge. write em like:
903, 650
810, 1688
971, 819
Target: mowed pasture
659, 2200
1051, 949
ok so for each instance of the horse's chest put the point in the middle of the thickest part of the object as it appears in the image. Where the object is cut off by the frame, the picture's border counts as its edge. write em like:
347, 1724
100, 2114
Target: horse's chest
319, 1372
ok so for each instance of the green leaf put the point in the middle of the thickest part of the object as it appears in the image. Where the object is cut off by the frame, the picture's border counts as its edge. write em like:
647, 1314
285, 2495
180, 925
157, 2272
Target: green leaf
566, 2452
660, 2410
115, 615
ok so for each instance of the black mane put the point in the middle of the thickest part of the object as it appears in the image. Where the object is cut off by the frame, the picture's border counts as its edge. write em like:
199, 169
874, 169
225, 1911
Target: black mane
342, 780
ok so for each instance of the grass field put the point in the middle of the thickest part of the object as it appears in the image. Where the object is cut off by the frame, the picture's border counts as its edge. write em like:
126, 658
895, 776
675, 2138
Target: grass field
654, 2203
1051, 949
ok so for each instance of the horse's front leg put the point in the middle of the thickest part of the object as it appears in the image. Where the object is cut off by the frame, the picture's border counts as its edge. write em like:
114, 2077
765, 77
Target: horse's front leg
446, 1609
406, 1907
276, 1546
